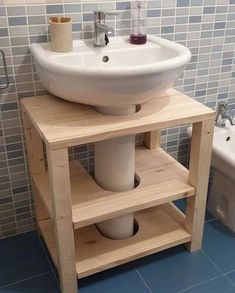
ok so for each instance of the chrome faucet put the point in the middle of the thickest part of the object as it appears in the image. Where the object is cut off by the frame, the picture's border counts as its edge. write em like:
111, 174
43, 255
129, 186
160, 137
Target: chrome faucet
222, 115
101, 29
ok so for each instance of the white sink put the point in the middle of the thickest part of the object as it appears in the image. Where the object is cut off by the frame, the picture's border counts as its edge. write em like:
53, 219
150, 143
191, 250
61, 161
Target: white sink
132, 74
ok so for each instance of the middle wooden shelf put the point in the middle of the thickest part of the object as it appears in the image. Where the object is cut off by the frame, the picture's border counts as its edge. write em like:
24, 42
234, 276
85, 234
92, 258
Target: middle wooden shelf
161, 179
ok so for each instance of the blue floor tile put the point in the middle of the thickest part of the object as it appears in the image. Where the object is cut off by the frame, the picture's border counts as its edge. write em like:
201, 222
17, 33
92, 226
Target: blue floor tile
219, 245
209, 216
46, 283
231, 276
181, 204
53, 267
123, 279
21, 257
175, 269
220, 285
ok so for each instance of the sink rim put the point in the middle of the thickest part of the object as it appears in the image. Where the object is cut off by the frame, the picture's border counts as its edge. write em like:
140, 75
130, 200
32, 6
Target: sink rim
183, 57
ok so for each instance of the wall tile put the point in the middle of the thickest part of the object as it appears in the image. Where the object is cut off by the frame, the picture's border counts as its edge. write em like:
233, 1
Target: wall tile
16, 10
14, 21
205, 26
53, 9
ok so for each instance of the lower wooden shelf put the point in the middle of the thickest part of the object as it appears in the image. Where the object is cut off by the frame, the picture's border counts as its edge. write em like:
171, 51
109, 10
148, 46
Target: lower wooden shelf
160, 228
162, 179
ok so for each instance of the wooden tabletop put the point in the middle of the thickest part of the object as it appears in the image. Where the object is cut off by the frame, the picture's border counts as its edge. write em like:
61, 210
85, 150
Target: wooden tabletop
64, 124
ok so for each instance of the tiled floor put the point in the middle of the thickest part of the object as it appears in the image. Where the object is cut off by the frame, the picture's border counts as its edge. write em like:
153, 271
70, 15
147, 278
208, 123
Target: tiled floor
26, 268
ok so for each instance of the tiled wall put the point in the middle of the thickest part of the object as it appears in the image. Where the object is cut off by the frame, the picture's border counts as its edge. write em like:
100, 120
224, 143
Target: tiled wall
207, 27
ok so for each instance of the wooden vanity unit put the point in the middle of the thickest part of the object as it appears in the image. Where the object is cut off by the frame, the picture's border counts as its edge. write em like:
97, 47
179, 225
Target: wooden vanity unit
68, 202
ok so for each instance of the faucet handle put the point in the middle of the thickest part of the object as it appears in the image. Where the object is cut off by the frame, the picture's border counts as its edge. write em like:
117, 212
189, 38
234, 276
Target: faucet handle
100, 14
222, 107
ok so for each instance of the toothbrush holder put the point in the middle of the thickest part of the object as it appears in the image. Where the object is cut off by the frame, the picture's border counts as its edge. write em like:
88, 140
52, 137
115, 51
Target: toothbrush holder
61, 34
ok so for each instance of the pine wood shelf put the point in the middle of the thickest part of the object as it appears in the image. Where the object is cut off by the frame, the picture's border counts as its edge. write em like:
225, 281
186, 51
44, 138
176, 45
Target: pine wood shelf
162, 179
68, 202
63, 124
160, 228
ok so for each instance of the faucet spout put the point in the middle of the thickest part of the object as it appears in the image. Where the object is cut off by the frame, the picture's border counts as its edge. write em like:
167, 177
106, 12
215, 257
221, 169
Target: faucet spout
222, 116
108, 30
101, 30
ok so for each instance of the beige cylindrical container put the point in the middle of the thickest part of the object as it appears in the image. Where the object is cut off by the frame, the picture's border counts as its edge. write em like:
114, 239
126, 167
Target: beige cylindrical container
61, 34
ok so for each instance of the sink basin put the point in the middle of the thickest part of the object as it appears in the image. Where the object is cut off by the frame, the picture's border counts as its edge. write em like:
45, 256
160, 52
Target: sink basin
116, 76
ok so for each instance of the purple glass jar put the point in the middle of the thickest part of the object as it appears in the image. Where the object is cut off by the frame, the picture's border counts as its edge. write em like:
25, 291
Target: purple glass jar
138, 34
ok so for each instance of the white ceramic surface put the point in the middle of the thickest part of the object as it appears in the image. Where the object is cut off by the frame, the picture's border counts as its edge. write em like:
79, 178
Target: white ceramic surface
223, 149
115, 171
221, 202
132, 75
223, 152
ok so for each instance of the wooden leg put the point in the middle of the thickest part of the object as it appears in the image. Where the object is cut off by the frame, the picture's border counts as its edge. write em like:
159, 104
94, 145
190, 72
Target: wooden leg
58, 168
36, 163
199, 167
152, 139
39, 207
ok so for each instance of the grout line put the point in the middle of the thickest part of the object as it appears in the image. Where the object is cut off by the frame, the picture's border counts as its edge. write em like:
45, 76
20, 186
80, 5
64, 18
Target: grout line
223, 273
199, 284
4, 136
227, 277
56, 279
232, 271
15, 235
210, 220
26, 279
141, 277
210, 259
48, 259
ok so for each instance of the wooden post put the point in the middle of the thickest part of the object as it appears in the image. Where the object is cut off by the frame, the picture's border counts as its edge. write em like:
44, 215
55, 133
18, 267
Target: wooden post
58, 168
199, 168
152, 139
36, 163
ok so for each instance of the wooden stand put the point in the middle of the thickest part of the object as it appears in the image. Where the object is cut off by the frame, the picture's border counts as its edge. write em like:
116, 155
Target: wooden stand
68, 202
